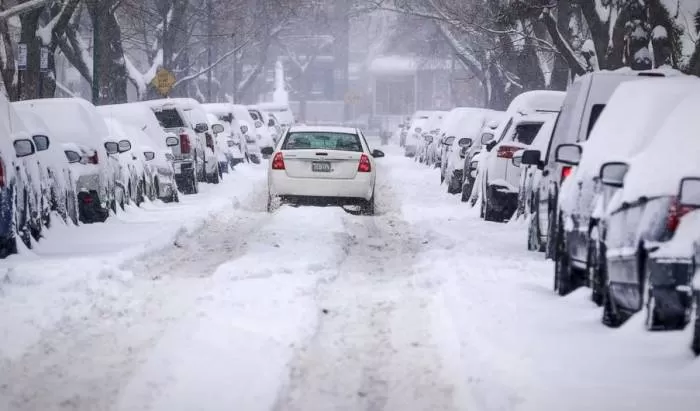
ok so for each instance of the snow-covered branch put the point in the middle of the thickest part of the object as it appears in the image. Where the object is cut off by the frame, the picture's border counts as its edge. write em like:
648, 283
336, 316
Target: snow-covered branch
23, 8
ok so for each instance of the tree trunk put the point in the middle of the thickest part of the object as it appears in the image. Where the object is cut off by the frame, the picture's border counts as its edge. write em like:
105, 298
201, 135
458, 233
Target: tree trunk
111, 72
561, 70
8, 67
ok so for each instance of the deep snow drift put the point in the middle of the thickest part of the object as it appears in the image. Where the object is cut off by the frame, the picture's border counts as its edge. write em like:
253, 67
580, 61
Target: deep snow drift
216, 305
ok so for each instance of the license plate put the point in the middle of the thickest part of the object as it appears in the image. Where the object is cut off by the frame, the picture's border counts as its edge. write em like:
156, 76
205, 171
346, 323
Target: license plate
321, 167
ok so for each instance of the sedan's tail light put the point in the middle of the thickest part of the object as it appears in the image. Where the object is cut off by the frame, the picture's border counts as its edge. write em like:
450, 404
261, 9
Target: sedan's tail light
278, 162
2, 174
507, 151
675, 213
365, 166
185, 144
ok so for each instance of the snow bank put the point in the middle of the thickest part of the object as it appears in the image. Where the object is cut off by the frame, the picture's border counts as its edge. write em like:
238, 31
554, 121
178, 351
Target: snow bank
73, 268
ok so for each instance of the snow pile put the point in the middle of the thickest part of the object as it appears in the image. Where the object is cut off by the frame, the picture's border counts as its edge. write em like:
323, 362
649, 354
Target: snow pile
74, 266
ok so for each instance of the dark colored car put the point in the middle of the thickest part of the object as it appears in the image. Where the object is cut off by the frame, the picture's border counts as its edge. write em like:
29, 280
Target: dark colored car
644, 217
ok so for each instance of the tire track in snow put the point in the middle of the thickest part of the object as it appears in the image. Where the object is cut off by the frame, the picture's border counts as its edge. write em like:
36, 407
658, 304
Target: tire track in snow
373, 349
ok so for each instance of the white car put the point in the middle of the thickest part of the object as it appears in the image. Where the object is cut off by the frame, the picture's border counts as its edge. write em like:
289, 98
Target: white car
323, 165
501, 179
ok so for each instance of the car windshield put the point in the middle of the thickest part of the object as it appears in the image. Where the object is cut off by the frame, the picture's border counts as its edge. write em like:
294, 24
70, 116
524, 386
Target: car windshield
322, 141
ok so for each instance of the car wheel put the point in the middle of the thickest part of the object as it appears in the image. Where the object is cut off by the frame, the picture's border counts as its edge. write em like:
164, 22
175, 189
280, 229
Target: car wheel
595, 266
611, 316
23, 225
368, 207
467, 191
490, 213
551, 235
216, 177
695, 342
533, 234
255, 159
652, 321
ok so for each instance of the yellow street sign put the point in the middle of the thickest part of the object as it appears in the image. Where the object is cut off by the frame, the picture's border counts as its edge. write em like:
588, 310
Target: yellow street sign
163, 81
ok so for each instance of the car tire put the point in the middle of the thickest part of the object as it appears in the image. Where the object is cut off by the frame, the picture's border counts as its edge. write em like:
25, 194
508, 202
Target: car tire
467, 191
595, 267
652, 321
611, 316
563, 275
23, 225
490, 213
551, 234
255, 159
8, 245
533, 233
368, 207
695, 342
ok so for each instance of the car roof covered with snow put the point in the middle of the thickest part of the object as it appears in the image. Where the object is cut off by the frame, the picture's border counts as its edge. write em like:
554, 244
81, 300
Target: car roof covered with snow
464, 122
219, 109
672, 155
633, 115
57, 113
137, 115
537, 100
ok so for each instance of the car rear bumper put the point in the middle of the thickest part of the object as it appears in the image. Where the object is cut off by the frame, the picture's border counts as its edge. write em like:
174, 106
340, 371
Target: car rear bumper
282, 185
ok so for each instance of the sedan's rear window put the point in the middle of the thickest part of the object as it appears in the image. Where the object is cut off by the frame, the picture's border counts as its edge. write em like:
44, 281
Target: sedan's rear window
322, 141
169, 118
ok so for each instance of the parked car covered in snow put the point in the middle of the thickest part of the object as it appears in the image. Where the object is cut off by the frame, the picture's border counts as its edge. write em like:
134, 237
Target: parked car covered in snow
500, 182
428, 145
630, 121
461, 129
263, 132
281, 111
146, 127
493, 120
220, 139
415, 130
644, 214
585, 100
530, 176
20, 185
247, 127
54, 169
97, 179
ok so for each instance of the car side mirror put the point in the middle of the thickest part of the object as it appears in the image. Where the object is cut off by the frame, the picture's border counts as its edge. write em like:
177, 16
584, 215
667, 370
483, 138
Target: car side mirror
267, 151
568, 154
490, 146
464, 142
124, 146
41, 142
258, 124
24, 147
531, 158
217, 128
244, 129
112, 147
172, 141
449, 141
201, 128
377, 153
613, 174
486, 138
72, 156
150, 155
689, 192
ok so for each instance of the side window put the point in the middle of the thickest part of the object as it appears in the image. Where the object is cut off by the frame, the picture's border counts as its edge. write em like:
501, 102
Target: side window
596, 110
526, 133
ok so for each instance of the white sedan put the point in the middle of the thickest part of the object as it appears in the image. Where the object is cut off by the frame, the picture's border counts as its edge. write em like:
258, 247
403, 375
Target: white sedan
323, 165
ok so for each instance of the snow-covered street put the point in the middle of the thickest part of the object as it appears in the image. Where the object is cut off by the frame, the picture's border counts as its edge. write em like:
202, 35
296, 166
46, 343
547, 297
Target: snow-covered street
214, 304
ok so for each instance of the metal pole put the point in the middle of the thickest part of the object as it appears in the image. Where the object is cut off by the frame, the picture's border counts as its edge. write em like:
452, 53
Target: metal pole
96, 57
209, 51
